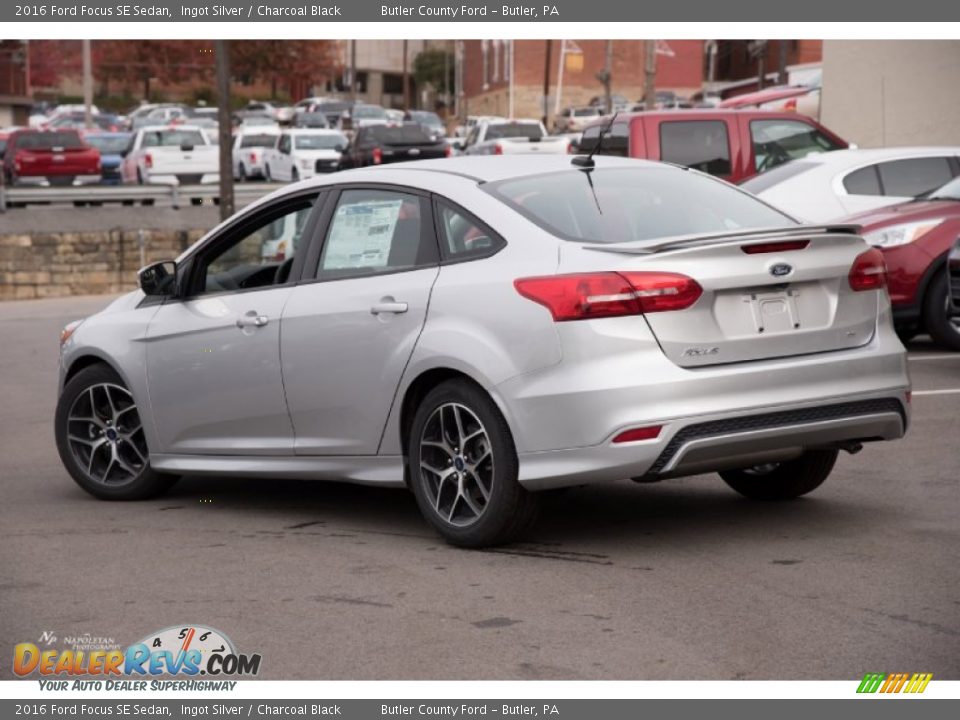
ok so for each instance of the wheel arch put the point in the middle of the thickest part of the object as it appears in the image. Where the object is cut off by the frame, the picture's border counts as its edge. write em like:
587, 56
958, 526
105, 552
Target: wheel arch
423, 383
84, 361
938, 265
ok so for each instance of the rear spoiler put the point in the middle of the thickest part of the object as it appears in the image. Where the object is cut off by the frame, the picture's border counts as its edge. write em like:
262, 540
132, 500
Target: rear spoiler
647, 247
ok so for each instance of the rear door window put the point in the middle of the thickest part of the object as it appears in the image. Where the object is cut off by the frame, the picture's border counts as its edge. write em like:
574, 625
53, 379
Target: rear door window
699, 144
865, 181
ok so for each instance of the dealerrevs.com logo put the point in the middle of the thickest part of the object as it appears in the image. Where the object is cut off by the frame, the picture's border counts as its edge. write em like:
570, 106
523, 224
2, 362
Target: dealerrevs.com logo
184, 651
889, 683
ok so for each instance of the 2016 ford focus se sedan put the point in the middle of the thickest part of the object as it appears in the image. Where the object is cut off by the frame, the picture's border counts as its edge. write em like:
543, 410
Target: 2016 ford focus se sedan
481, 329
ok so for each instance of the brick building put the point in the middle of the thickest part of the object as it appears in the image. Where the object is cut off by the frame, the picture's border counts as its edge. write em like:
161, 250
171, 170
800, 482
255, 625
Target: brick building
486, 72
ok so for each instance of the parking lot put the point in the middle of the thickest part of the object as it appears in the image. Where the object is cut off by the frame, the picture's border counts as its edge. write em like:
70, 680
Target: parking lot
678, 580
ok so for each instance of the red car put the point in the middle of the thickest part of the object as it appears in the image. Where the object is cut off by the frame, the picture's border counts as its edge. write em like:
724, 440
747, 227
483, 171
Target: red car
731, 144
50, 157
916, 238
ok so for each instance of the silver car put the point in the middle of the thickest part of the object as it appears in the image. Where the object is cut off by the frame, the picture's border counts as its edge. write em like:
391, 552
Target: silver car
482, 329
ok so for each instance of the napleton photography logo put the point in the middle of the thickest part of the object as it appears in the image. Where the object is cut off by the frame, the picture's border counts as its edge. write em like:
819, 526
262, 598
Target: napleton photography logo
186, 651
889, 683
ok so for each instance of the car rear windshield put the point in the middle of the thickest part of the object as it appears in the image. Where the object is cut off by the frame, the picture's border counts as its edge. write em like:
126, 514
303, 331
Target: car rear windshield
48, 140
264, 140
514, 130
427, 118
404, 135
766, 180
612, 205
370, 111
318, 142
172, 138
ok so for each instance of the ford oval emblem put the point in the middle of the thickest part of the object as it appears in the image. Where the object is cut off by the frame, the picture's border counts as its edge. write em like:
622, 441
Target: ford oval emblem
781, 269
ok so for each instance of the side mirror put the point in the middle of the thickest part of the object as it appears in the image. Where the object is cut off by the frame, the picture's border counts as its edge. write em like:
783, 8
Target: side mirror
159, 279
339, 147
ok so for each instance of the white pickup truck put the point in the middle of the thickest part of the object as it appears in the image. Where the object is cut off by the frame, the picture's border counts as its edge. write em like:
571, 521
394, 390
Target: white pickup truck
171, 155
513, 137
250, 148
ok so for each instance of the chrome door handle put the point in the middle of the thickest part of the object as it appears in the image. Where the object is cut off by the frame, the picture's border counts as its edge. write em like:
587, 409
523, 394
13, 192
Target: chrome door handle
251, 319
389, 307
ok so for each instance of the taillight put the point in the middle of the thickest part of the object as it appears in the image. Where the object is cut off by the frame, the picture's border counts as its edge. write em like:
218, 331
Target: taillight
791, 105
498, 149
771, 247
448, 152
377, 156
869, 271
609, 294
253, 157
148, 161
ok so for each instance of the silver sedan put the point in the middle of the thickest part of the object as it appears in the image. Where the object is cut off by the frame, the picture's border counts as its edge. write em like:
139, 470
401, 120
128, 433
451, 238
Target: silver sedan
482, 329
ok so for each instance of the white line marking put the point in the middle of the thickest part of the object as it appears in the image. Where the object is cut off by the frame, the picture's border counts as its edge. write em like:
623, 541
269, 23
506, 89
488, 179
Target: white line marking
949, 391
954, 356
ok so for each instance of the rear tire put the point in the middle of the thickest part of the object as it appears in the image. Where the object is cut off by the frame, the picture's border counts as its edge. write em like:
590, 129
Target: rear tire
100, 438
462, 465
783, 481
937, 314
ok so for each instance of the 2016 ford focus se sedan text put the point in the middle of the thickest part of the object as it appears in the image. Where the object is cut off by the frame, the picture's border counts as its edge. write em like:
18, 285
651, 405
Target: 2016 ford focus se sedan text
482, 329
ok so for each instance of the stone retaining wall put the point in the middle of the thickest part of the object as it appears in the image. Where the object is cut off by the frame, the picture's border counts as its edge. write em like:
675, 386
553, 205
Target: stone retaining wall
39, 265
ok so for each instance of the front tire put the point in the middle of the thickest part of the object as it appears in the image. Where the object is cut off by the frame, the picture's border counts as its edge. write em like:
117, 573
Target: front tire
943, 327
100, 438
463, 467
783, 481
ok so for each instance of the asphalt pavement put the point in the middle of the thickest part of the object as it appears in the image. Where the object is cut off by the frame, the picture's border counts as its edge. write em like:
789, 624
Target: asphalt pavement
678, 580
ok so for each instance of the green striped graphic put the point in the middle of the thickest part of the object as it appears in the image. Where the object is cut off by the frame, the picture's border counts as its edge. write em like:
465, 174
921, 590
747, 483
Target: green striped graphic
871, 682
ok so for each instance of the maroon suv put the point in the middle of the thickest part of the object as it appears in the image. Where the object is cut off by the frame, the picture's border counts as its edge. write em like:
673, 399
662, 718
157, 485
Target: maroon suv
916, 238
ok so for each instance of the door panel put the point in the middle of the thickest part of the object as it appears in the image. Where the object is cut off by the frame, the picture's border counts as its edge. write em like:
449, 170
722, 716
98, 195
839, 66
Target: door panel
347, 337
216, 388
342, 362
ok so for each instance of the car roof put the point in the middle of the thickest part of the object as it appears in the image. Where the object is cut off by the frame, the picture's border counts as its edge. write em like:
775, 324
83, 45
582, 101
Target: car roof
838, 159
490, 168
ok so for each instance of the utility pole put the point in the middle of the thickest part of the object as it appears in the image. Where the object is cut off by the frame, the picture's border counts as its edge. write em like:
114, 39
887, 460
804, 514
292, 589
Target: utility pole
353, 71
446, 81
782, 62
406, 78
605, 76
546, 84
87, 86
222, 48
650, 75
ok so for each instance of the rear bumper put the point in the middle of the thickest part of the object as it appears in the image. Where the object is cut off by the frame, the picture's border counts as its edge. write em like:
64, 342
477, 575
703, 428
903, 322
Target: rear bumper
565, 417
695, 445
172, 179
44, 181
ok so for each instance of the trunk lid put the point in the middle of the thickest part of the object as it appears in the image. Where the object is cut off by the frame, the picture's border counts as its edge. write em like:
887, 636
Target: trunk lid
790, 295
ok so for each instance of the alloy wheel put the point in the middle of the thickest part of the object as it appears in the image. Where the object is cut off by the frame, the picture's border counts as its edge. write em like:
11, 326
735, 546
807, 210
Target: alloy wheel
105, 434
456, 464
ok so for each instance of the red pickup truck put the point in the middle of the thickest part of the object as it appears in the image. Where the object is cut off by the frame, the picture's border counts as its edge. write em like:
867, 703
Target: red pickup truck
50, 157
731, 144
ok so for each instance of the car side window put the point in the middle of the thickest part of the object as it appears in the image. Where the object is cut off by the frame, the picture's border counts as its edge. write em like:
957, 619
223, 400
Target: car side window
865, 181
260, 252
473, 135
377, 231
914, 176
462, 237
778, 141
699, 144
616, 142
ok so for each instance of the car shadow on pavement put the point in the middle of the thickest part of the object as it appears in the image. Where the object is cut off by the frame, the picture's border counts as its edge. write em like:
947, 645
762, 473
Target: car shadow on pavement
691, 511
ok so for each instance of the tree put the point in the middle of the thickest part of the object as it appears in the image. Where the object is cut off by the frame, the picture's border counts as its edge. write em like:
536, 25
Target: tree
298, 64
143, 61
52, 60
428, 68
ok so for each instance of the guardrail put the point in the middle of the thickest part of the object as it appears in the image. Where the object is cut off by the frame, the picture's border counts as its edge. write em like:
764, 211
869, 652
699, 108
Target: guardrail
178, 195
